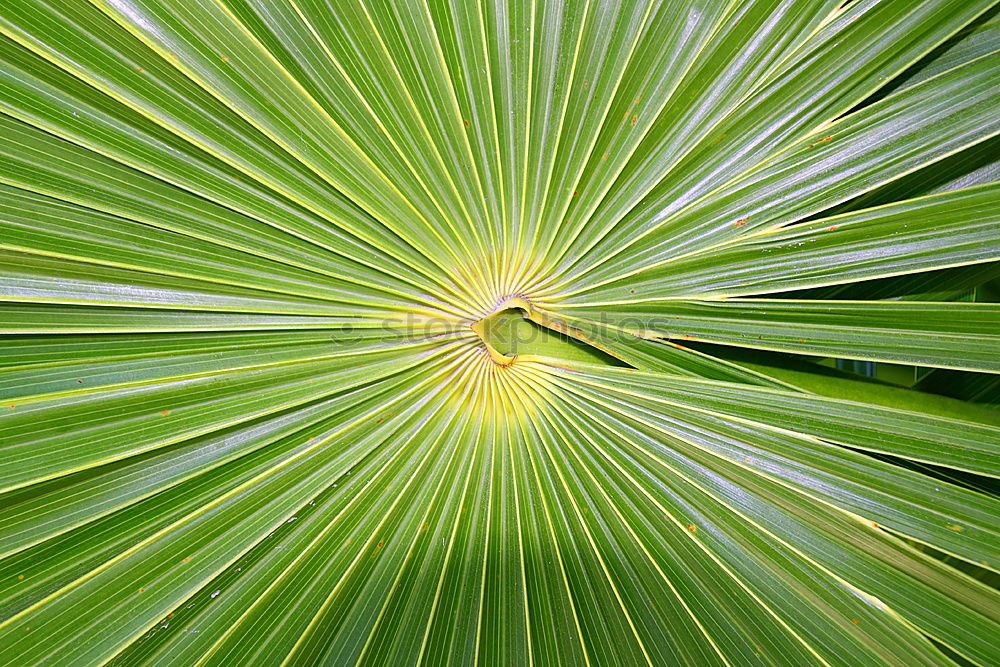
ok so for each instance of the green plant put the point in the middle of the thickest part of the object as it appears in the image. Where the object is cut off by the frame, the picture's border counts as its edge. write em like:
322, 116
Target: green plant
429, 331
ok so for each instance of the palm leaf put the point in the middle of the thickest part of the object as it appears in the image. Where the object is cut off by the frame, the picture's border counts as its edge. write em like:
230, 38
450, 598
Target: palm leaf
447, 332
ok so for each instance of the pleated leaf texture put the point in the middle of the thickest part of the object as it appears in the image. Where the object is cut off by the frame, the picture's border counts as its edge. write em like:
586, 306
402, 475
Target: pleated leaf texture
499, 332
